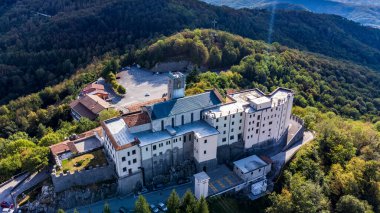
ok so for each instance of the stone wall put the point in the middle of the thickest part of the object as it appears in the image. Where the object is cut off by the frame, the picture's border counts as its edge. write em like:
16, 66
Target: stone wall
230, 153
161, 164
206, 165
126, 185
62, 181
298, 135
172, 66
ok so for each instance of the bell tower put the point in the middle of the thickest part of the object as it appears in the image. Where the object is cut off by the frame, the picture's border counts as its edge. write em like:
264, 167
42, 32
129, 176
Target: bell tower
176, 85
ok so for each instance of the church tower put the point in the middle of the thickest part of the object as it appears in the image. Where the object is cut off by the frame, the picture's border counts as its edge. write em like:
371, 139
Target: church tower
176, 85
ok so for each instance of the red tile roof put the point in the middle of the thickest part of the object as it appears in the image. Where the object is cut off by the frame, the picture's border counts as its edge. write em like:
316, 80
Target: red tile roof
94, 86
138, 106
136, 119
89, 106
68, 145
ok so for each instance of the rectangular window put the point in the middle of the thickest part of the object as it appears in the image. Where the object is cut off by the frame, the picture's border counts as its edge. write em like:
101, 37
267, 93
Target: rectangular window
217, 120
192, 117
225, 125
239, 127
258, 124
258, 117
233, 123
204, 152
182, 119
129, 162
130, 171
129, 154
232, 130
123, 159
241, 114
206, 141
184, 138
240, 121
134, 160
224, 139
146, 149
225, 118
172, 122
162, 125
133, 152
216, 127
154, 147
257, 131
233, 116
232, 137
124, 169
189, 137
270, 123
224, 132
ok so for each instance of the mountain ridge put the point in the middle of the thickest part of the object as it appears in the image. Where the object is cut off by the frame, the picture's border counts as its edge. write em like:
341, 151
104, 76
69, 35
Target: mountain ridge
365, 13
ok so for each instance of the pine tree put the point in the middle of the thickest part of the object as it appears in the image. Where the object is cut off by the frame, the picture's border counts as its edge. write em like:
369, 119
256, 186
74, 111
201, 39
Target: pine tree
106, 208
202, 206
141, 205
188, 201
60, 211
173, 202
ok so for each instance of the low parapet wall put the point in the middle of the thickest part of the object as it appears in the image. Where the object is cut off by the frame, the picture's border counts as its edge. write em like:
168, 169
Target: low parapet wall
62, 181
299, 133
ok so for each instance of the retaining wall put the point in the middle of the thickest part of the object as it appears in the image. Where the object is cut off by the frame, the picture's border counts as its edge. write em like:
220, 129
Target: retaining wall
81, 178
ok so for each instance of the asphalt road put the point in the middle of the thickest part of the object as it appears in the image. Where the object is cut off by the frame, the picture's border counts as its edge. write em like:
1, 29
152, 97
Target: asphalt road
129, 201
5, 191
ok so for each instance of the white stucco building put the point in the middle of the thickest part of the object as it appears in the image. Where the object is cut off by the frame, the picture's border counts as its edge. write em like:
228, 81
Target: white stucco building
150, 142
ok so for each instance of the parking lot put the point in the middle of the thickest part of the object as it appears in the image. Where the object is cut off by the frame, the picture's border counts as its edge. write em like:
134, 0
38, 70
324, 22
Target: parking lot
141, 85
129, 201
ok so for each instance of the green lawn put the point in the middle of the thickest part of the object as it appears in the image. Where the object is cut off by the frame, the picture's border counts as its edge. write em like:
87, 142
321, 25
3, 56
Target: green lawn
81, 162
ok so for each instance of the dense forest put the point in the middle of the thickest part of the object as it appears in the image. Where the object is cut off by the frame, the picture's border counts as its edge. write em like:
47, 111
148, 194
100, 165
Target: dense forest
318, 81
339, 171
44, 42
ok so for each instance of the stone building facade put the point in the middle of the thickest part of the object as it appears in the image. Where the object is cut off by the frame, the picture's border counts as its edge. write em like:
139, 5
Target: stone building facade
203, 128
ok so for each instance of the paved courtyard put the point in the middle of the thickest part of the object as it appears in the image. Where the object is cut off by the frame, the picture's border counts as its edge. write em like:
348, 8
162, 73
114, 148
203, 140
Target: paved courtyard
138, 83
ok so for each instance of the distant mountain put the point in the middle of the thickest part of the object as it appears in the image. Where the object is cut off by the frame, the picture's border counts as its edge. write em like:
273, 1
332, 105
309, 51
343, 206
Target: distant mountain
366, 12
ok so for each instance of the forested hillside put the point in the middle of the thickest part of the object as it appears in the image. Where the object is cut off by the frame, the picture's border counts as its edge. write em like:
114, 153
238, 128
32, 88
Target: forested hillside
338, 172
319, 81
42, 49
28, 125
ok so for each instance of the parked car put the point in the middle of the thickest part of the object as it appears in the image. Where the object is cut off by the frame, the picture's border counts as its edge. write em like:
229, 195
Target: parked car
153, 208
123, 210
162, 206
5, 204
8, 210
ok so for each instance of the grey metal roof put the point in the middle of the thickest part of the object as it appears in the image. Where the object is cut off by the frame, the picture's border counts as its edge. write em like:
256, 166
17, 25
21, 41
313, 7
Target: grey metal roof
250, 163
185, 104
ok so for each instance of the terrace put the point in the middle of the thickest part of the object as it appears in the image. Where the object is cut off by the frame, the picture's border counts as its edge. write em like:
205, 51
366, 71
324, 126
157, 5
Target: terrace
81, 162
